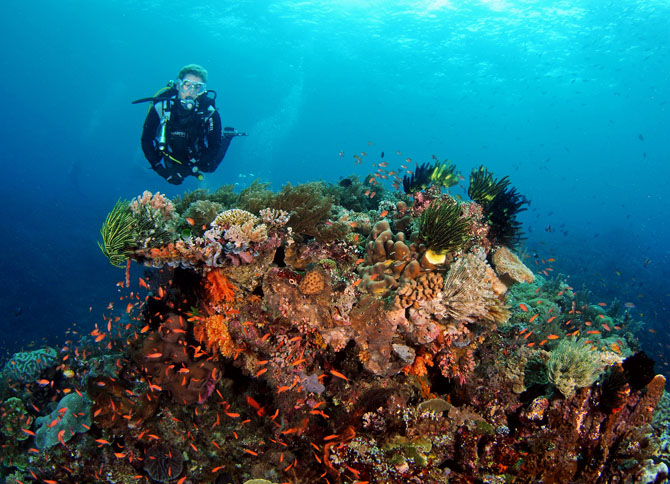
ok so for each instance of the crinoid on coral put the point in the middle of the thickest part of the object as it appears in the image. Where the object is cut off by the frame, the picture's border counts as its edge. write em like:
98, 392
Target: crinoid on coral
501, 204
572, 364
614, 389
444, 174
469, 295
419, 180
117, 234
442, 229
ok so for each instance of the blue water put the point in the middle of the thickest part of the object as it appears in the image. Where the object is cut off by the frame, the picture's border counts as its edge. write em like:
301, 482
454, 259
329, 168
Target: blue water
571, 99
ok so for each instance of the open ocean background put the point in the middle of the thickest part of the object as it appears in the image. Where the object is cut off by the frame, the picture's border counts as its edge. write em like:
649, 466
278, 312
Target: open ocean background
570, 99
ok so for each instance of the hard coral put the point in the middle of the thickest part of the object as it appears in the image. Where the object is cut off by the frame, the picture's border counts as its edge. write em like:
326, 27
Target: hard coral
388, 260
26, 366
234, 216
163, 463
423, 288
314, 281
509, 267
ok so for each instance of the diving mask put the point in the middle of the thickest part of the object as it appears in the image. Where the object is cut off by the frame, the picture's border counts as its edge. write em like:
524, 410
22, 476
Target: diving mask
186, 85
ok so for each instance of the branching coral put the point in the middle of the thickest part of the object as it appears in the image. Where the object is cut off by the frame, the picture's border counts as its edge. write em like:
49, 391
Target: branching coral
117, 234
442, 229
501, 204
572, 364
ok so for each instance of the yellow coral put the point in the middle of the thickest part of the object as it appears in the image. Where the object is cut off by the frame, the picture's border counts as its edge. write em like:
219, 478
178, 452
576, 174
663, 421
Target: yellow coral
216, 336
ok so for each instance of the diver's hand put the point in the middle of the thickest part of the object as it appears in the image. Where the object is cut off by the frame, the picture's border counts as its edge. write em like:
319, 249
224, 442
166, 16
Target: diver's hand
174, 179
229, 132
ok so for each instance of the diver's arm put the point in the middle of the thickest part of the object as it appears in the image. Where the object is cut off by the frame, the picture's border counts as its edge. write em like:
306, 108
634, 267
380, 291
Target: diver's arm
149, 130
213, 135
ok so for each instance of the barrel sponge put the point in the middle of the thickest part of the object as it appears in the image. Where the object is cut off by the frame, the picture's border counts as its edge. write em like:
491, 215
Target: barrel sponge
76, 418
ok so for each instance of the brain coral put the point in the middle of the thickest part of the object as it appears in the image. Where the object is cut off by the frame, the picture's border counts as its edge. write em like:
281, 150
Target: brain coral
26, 366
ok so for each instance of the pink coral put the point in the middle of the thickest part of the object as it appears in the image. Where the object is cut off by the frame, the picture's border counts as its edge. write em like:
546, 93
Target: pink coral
156, 203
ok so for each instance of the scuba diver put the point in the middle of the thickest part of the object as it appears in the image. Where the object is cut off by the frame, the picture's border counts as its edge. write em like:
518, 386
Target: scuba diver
182, 133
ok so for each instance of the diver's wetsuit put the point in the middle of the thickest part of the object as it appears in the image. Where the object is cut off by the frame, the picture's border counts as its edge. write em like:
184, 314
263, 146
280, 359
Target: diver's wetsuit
194, 140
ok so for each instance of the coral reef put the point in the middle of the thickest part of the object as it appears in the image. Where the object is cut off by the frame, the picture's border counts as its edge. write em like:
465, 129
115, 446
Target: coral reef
289, 337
